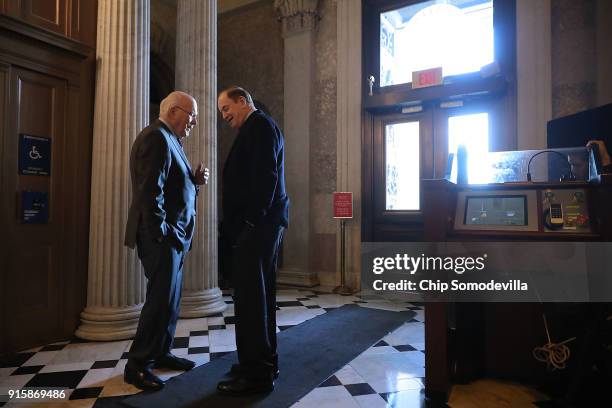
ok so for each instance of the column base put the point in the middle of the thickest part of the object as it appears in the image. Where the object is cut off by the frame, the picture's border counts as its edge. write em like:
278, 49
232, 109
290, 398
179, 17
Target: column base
202, 303
297, 278
108, 323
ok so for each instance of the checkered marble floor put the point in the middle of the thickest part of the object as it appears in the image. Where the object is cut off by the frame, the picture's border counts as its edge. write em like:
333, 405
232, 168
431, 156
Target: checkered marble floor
389, 374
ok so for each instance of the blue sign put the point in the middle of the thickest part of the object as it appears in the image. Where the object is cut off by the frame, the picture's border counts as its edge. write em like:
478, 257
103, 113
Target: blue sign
35, 207
34, 155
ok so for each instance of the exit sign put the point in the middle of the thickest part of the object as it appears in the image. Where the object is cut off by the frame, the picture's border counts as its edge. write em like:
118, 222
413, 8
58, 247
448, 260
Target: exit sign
427, 77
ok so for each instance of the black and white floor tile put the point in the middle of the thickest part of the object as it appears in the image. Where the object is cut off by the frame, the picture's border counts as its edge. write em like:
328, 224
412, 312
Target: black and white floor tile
389, 374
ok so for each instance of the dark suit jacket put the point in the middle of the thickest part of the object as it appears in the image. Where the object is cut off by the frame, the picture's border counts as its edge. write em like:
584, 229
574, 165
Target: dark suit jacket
163, 188
254, 177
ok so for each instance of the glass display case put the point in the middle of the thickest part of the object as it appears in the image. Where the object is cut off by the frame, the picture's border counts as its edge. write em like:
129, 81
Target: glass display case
549, 165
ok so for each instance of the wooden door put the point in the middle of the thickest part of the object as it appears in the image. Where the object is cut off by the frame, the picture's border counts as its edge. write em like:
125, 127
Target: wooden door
36, 265
46, 94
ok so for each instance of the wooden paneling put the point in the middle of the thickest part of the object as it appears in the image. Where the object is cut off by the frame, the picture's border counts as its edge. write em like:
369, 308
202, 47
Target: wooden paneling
34, 299
48, 14
48, 10
75, 19
10, 7
46, 90
36, 254
76, 209
83, 18
4, 214
74, 13
43, 51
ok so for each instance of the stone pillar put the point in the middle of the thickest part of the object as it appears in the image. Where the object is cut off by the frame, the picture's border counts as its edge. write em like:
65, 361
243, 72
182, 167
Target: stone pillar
116, 285
299, 18
604, 52
574, 59
533, 66
196, 74
348, 128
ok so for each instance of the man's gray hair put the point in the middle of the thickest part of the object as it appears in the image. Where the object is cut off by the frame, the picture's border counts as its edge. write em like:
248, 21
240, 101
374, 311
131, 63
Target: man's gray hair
173, 99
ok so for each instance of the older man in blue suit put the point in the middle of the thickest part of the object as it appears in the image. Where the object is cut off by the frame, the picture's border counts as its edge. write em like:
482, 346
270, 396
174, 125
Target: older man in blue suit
160, 224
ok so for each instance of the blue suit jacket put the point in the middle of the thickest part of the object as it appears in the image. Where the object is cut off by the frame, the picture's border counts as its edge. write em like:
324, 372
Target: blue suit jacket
163, 189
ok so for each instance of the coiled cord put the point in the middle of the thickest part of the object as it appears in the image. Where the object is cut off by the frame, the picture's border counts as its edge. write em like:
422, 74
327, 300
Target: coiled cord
554, 355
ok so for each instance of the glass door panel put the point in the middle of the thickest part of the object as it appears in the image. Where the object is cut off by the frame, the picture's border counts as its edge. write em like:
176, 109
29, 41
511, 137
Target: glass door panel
471, 131
402, 166
402, 157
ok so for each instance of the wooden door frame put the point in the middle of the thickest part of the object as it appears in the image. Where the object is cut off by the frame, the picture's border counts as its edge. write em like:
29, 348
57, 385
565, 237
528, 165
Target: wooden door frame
25, 47
374, 212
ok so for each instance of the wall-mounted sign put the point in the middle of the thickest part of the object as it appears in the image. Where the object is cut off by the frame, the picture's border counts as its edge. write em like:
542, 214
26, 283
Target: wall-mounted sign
427, 77
35, 207
34, 155
343, 205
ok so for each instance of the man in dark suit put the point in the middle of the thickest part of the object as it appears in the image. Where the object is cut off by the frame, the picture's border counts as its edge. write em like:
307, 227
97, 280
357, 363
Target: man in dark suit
255, 213
161, 223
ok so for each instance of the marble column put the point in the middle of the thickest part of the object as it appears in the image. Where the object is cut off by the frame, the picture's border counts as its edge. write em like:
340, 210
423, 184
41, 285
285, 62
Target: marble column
299, 19
348, 128
116, 285
196, 74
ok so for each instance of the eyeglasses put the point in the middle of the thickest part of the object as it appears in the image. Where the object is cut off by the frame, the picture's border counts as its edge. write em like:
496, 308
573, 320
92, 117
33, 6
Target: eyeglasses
191, 114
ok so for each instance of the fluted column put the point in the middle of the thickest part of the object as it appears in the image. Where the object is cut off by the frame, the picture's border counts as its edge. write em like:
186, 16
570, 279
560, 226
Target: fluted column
116, 285
196, 74
348, 125
299, 18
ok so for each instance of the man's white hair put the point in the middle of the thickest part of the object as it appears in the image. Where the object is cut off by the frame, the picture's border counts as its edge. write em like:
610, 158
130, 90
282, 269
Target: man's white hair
173, 99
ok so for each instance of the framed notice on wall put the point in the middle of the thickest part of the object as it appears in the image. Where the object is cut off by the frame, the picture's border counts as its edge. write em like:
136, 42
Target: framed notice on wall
34, 155
343, 204
34, 207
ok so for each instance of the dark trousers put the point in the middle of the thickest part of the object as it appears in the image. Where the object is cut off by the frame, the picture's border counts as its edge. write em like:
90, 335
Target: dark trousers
254, 276
163, 266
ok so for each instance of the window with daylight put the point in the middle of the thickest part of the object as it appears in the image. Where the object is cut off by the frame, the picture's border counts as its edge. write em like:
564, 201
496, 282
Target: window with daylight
471, 131
402, 166
456, 35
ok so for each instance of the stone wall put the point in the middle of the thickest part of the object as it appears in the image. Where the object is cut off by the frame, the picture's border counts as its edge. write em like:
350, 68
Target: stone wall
573, 56
250, 54
163, 30
323, 147
163, 52
580, 54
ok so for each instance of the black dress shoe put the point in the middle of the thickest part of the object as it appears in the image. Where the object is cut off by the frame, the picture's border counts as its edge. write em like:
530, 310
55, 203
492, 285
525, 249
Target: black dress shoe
244, 386
236, 371
143, 379
174, 363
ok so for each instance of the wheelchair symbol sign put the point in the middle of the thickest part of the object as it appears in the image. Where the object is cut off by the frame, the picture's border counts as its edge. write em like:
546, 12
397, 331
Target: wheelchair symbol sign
34, 155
